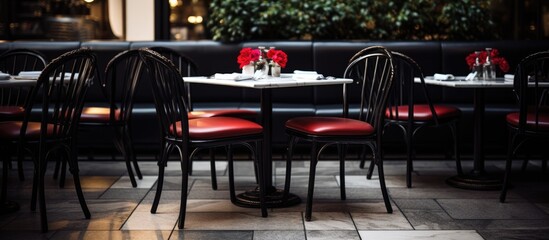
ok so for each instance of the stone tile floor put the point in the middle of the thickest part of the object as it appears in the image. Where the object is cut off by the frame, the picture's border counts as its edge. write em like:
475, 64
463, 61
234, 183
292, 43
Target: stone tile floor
429, 210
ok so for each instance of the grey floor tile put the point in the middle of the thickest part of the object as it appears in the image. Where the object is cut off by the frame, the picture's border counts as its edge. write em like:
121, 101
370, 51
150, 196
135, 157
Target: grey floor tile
490, 209
27, 235
417, 204
146, 183
432, 220
243, 221
125, 193
514, 234
380, 221
279, 235
211, 235
422, 234
329, 235
329, 221
111, 235
148, 221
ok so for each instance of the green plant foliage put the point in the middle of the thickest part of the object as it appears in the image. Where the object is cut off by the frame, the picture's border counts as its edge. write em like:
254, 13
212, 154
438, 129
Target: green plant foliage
239, 20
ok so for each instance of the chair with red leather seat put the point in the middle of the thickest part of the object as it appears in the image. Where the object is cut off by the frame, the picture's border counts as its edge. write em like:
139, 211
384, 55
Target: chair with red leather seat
406, 101
372, 74
123, 73
188, 68
181, 134
12, 99
60, 90
531, 122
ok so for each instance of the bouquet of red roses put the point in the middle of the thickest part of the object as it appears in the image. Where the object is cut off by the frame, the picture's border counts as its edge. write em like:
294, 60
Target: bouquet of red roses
494, 56
278, 56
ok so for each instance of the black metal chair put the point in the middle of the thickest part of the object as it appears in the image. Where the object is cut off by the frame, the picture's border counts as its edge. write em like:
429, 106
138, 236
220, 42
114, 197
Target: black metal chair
373, 74
531, 122
405, 101
181, 134
123, 73
60, 90
188, 68
13, 99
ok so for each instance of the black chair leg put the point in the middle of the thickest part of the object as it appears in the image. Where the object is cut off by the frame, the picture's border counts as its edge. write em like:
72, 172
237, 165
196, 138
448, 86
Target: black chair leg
288, 178
20, 157
184, 187
409, 164
160, 183
35, 183
261, 179
312, 172
56, 169
41, 193
455, 130
73, 168
371, 168
341, 150
231, 173
382, 181
131, 152
508, 166
362, 157
63, 173
213, 173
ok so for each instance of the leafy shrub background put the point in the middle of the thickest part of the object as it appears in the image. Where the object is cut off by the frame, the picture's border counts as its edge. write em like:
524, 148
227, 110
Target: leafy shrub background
240, 20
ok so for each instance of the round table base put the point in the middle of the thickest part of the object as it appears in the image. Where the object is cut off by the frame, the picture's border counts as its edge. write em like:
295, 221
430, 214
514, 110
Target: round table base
8, 207
273, 199
476, 182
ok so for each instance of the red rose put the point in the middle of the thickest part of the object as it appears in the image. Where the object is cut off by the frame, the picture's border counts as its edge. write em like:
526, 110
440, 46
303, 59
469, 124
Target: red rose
494, 55
247, 55
278, 56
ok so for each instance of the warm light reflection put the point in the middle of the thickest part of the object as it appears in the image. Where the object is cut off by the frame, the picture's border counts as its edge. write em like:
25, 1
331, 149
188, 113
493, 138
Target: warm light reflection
195, 19
174, 3
88, 1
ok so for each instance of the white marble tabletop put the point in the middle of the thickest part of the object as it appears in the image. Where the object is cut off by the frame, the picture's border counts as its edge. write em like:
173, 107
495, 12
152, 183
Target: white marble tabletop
460, 82
284, 80
17, 82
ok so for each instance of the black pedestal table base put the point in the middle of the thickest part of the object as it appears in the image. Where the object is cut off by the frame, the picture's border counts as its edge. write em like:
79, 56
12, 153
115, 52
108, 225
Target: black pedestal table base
274, 199
476, 182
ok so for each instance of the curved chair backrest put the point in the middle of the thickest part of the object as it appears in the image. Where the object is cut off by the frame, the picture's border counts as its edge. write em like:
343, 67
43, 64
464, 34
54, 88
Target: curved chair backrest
530, 72
15, 61
184, 64
122, 76
61, 89
168, 91
403, 90
372, 73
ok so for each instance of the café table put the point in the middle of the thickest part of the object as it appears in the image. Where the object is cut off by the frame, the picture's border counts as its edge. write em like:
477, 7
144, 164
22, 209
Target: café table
274, 196
478, 178
7, 206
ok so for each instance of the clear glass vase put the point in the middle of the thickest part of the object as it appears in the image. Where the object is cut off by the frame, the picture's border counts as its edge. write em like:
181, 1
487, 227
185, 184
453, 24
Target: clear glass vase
275, 70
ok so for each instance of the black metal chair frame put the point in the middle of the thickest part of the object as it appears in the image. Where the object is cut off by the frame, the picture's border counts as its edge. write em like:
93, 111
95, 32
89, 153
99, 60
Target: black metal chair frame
14, 61
530, 95
123, 74
168, 88
403, 93
60, 89
372, 107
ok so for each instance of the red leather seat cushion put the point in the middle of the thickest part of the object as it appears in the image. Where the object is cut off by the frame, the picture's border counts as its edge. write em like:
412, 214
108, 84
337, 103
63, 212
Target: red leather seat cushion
221, 113
219, 127
10, 130
330, 126
422, 112
97, 115
543, 120
11, 112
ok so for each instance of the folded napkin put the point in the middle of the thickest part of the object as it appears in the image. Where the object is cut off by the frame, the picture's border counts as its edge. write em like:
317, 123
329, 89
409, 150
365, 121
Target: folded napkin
443, 77
232, 76
4, 76
509, 77
306, 75
28, 75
